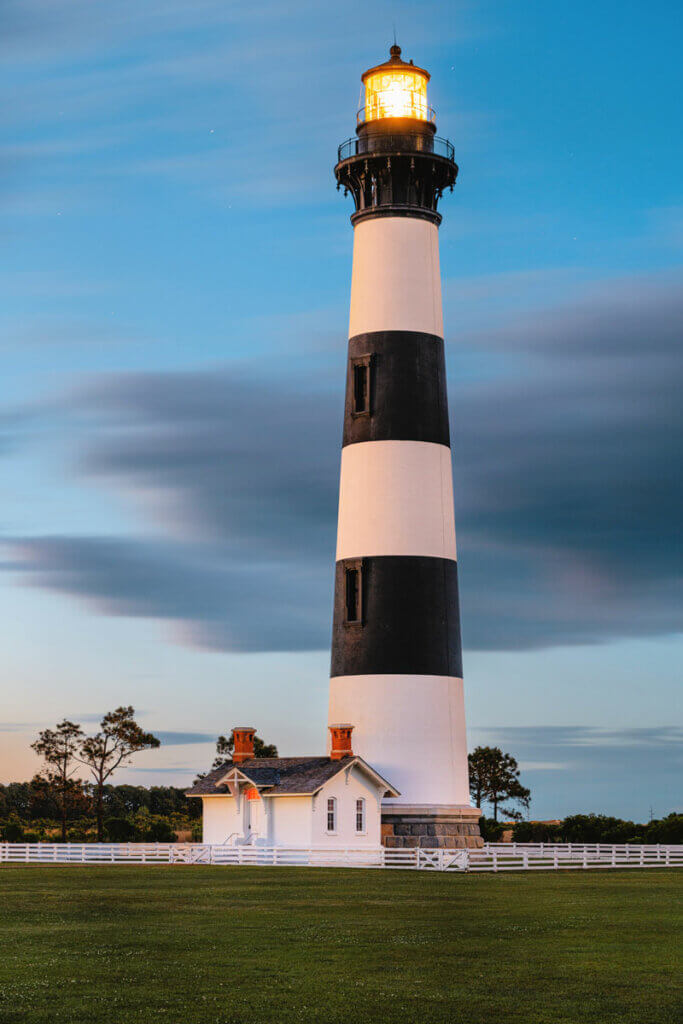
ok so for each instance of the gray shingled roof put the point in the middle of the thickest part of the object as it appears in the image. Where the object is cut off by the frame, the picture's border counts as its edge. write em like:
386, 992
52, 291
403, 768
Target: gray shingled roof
276, 775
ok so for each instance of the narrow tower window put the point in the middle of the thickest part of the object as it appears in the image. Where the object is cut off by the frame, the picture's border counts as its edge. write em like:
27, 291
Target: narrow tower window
360, 369
360, 815
353, 592
331, 815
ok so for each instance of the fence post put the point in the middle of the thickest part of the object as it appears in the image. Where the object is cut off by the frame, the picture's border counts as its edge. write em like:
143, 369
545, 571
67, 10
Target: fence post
495, 860
585, 859
666, 855
525, 859
614, 856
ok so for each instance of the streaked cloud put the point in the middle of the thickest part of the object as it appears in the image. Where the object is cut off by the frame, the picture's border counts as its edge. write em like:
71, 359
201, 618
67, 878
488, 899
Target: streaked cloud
179, 739
568, 488
580, 736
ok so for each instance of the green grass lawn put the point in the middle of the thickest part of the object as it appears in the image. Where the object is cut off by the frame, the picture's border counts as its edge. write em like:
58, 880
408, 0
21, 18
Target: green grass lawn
269, 945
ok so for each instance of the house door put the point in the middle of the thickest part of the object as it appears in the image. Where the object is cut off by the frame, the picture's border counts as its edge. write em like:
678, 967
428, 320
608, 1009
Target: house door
254, 811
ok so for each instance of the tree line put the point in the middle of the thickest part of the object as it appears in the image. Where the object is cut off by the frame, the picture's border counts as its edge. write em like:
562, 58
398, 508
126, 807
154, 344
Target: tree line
29, 812
589, 828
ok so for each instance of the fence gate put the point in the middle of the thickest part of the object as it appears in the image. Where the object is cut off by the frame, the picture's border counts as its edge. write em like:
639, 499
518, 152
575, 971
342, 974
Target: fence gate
429, 860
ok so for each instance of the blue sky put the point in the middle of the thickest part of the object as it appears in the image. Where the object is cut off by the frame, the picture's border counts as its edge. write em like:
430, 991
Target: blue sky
173, 322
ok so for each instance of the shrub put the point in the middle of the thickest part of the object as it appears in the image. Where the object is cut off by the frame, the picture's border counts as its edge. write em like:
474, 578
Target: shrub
160, 832
491, 830
535, 832
120, 830
666, 830
12, 832
596, 828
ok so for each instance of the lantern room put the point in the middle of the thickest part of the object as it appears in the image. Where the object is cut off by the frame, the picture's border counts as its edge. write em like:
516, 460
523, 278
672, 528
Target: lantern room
395, 89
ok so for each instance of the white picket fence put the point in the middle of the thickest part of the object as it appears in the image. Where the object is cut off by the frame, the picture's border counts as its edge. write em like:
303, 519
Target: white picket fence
565, 856
493, 857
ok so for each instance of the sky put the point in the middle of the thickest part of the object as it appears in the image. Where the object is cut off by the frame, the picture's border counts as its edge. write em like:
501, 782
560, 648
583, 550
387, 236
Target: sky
175, 284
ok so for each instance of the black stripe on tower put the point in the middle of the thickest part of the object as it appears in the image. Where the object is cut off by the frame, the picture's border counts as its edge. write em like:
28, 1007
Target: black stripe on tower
396, 615
396, 388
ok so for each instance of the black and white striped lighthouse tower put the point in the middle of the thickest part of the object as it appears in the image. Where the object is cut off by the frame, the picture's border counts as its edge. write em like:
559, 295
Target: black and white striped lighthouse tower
396, 655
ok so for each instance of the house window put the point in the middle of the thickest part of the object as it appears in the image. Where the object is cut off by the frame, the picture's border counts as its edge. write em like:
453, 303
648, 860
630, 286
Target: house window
353, 592
360, 370
360, 815
331, 815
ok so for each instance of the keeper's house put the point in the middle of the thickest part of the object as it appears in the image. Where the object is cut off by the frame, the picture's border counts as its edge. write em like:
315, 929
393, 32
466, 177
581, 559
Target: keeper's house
293, 801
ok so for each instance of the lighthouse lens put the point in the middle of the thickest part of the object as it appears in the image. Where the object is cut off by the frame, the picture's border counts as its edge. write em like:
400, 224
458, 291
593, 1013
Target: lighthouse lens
396, 94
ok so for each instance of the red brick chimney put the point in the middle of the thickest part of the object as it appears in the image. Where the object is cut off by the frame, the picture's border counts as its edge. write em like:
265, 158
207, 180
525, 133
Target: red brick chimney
243, 748
341, 741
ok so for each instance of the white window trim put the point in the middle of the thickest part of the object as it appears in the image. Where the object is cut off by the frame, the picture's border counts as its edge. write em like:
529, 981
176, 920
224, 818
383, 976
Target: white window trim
364, 830
335, 812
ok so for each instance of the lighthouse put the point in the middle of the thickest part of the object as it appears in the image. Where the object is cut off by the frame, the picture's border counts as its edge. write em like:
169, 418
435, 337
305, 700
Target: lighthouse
396, 672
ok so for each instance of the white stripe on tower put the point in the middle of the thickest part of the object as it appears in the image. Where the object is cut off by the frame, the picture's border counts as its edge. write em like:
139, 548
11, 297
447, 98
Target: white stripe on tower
395, 282
396, 498
411, 728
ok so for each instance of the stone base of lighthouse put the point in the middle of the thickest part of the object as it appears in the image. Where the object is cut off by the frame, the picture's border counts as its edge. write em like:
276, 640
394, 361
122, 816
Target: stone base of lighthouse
430, 826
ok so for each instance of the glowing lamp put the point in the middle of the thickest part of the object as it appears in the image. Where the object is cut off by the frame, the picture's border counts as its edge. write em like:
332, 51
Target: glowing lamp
395, 89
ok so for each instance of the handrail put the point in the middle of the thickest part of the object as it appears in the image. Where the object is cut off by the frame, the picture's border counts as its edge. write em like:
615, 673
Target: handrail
434, 146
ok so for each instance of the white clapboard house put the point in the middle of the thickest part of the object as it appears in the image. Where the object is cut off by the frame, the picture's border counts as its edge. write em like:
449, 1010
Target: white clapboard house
293, 801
